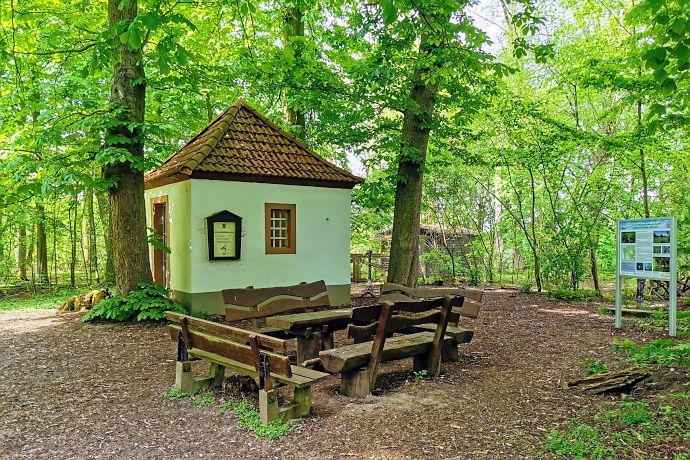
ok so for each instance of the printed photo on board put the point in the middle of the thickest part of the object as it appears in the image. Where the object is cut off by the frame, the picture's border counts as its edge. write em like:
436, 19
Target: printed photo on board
657, 249
666, 249
628, 237
648, 267
629, 253
640, 266
663, 236
662, 264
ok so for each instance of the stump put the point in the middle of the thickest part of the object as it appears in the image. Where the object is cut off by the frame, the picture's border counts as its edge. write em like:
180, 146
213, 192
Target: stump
84, 302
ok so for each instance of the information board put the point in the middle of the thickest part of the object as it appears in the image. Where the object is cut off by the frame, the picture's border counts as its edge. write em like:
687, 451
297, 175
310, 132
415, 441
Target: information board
646, 248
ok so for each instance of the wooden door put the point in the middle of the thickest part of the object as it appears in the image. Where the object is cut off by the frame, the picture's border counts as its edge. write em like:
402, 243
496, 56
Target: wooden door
160, 258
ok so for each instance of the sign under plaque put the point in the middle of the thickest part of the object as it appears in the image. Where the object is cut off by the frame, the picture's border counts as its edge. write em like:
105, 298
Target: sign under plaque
224, 236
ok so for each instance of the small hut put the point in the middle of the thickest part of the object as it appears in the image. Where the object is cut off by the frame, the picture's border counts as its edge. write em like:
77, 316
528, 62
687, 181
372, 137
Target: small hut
245, 203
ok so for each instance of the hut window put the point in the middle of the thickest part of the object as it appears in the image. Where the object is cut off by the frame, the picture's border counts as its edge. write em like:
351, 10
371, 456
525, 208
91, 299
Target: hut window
280, 228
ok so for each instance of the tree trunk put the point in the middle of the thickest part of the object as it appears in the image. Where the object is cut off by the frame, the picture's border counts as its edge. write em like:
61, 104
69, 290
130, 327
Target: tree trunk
103, 212
90, 235
404, 252
74, 208
21, 254
293, 41
595, 270
127, 210
41, 245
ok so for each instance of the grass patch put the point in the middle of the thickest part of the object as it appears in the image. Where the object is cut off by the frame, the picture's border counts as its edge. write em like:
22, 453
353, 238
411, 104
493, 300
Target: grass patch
38, 301
249, 419
631, 426
205, 399
658, 322
174, 393
664, 352
593, 366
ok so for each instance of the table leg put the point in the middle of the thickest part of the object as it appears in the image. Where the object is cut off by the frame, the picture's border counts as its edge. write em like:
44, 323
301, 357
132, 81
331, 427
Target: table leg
308, 347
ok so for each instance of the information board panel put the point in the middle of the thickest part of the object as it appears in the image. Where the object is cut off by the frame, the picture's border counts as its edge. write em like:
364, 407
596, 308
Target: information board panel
646, 248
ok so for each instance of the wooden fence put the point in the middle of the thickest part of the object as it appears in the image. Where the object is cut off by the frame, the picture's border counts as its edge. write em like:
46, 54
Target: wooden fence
360, 266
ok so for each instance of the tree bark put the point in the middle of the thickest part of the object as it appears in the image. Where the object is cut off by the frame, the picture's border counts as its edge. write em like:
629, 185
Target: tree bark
41, 244
293, 37
127, 210
90, 235
103, 212
595, 270
74, 209
21, 254
404, 251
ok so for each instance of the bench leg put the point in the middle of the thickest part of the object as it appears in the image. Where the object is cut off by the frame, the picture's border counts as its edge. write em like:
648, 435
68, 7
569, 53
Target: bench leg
217, 374
268, 406
449, 353
308, 347
302, 401
183, 376
421, 363
355, 384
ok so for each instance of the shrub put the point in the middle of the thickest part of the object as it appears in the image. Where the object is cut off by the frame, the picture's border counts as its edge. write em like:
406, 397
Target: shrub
148, 301
569, 294
666, 352
594, 366
526, 288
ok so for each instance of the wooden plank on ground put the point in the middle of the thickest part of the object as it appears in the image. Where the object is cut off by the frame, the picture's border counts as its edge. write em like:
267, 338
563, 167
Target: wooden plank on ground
351, 357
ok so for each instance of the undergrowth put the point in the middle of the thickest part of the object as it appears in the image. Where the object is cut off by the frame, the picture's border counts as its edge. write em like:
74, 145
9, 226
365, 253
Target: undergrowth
623, 431
149, 301
40, 300
658, 322
593, 366
664, 352
569, 294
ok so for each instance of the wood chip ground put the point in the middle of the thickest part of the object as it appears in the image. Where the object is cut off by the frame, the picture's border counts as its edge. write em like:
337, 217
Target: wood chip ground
73, 390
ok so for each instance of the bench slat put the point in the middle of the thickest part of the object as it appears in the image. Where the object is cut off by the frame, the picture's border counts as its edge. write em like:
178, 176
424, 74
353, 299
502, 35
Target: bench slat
275, 307
351, 357
250, 297
458, 334
474, 294
228, 332
231, 350
297, 379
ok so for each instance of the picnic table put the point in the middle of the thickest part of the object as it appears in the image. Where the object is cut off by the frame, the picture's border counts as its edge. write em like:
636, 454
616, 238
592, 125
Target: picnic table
314, 330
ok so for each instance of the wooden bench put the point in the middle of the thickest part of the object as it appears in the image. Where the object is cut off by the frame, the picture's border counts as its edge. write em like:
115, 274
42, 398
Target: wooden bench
358, 363
260, 303
248, 353
397, 292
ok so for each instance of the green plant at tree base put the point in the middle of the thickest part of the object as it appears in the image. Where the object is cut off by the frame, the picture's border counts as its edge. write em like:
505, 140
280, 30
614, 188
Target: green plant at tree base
249, 419
149, 301
594, 366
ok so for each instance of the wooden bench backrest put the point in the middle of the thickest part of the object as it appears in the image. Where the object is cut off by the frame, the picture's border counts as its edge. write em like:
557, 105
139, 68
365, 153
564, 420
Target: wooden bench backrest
250, 303
398, 293
398, 322
229, 342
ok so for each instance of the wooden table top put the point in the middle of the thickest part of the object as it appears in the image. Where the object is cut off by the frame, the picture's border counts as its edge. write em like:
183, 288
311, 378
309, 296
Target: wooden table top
336, 319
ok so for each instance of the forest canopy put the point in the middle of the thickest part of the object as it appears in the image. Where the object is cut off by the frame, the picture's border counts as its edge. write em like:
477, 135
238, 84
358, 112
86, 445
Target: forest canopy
535, 128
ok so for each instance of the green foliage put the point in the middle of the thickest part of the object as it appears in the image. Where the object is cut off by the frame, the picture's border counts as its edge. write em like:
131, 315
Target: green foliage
44, 299
618, 432
569, 294
417, 377
205, 399
149, 301
593, 366
665, 352
174, 393
658, 322
525, 288
250, 420
198, 314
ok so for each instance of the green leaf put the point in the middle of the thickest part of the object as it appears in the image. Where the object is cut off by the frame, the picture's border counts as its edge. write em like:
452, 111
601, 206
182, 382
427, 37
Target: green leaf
390, 12
135, 37
124, 37
660, 75
668, 87
678, 26
682, 53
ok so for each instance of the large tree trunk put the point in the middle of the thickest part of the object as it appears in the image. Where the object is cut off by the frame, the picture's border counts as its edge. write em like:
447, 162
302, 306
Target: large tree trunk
41, 244
21, 254
74, 209
595, 270
104, 217
293, 38
127, 210
404, 253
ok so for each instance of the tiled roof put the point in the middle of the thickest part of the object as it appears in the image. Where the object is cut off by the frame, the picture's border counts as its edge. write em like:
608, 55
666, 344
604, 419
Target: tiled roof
243, 145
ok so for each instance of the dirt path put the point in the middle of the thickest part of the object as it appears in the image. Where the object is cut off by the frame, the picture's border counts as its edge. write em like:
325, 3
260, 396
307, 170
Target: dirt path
69, 390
